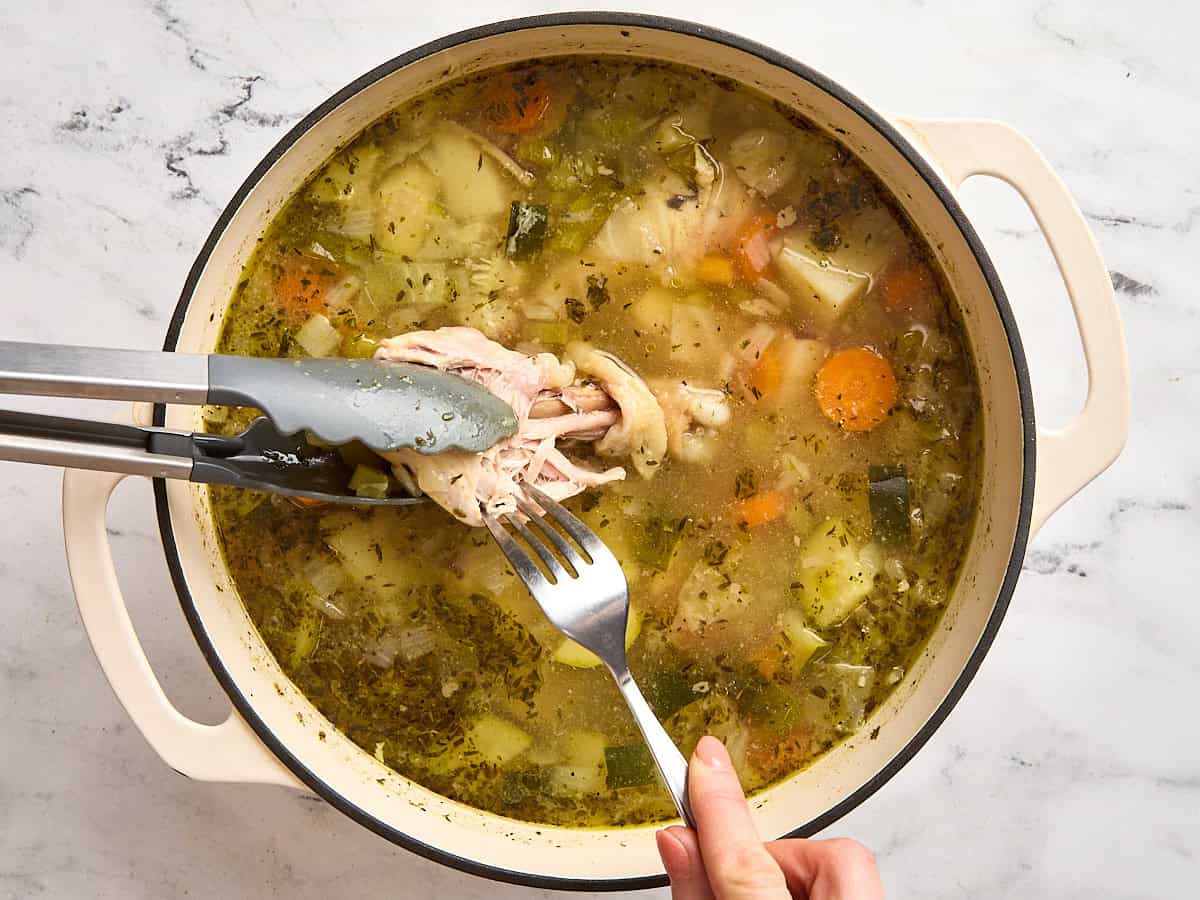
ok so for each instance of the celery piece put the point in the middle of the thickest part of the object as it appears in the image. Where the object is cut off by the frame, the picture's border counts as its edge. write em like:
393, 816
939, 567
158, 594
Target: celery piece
570, 238
552, 333
360, 347
537, 152
803, 642
367, 481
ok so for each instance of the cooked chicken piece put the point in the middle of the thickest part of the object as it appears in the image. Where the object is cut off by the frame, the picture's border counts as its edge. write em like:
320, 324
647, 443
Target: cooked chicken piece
693, 414
463, 482
671, 223
641, 432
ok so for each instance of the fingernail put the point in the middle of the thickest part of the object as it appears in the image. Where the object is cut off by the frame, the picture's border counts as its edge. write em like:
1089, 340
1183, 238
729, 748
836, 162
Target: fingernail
712, 753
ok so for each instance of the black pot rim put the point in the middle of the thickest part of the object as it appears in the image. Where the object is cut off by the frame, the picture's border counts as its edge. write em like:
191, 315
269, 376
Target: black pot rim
631, 20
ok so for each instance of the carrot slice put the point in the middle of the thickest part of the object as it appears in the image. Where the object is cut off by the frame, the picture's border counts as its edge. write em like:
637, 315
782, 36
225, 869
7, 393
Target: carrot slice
767, 374
761, 508
300, 288
522, 105
305, 502
751, 247
715, 270
856, 388
906, 286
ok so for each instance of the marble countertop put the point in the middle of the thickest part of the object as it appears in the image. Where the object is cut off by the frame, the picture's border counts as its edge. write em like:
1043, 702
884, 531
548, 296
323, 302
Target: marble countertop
1070, 768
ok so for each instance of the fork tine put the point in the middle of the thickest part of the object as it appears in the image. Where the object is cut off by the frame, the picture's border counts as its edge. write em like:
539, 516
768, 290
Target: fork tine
527, 569
557, 569
583, 535
569, 553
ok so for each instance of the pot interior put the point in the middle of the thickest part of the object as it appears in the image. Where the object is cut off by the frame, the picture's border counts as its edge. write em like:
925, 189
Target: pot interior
507, 849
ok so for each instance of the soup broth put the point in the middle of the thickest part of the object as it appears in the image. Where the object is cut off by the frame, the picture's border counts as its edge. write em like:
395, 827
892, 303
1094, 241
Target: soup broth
788, 556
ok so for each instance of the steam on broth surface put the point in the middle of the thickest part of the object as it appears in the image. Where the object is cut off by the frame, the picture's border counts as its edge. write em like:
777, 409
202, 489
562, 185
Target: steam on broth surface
787, 556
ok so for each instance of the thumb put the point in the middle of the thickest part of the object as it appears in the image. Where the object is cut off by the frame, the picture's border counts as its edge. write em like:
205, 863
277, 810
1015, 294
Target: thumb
738, 865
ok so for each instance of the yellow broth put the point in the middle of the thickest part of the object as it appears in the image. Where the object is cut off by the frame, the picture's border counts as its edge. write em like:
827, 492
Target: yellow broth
774, 612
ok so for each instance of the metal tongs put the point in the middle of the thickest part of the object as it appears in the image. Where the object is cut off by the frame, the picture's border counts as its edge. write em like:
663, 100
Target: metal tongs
386, 406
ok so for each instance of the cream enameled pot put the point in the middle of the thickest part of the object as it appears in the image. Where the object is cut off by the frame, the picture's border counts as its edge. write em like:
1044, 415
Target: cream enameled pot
276, 736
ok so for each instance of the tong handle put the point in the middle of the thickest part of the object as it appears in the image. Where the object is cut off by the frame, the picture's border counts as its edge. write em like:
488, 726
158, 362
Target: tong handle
56, 370
101, 446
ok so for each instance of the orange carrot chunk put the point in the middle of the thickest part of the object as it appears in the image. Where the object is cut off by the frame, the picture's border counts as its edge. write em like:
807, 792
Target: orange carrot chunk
856, 388
761, 508
715, 270
767, 374
519, 105
906, 286
300, 289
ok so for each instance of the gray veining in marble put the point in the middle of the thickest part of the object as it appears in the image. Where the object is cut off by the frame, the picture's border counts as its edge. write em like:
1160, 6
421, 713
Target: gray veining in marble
1069, 770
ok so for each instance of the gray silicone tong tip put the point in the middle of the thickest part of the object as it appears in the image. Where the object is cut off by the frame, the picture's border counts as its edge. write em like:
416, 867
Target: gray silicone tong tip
384, 405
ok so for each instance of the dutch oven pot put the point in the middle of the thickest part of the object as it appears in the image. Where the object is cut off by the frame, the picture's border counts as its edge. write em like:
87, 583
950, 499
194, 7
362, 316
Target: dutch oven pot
274, 735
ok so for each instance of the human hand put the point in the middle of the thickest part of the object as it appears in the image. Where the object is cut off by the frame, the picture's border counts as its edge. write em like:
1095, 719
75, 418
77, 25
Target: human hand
723, 859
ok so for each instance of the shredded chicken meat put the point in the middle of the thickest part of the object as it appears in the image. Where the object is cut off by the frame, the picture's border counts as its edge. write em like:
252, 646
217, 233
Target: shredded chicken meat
549, 405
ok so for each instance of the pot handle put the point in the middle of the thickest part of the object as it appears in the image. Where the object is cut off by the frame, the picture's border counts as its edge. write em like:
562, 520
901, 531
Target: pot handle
1070, 457
229, 751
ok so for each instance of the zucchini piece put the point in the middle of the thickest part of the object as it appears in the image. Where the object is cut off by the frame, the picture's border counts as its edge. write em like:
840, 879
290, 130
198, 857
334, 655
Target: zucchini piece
834, 577
668, 690
497, 739
628, 765
887, 492
526, 230
802, 642
658, 542
367, 481
572, 654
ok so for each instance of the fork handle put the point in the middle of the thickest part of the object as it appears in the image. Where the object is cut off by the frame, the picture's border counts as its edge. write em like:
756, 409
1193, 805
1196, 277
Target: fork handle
671, 764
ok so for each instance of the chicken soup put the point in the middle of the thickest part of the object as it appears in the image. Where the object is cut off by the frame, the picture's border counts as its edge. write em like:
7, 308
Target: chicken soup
729, 354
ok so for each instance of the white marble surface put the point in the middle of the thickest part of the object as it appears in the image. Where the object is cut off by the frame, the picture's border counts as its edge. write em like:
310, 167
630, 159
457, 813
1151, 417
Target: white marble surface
1070, 769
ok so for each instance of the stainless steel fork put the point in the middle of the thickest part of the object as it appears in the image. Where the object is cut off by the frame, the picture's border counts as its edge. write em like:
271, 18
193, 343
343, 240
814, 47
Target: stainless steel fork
587, 599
